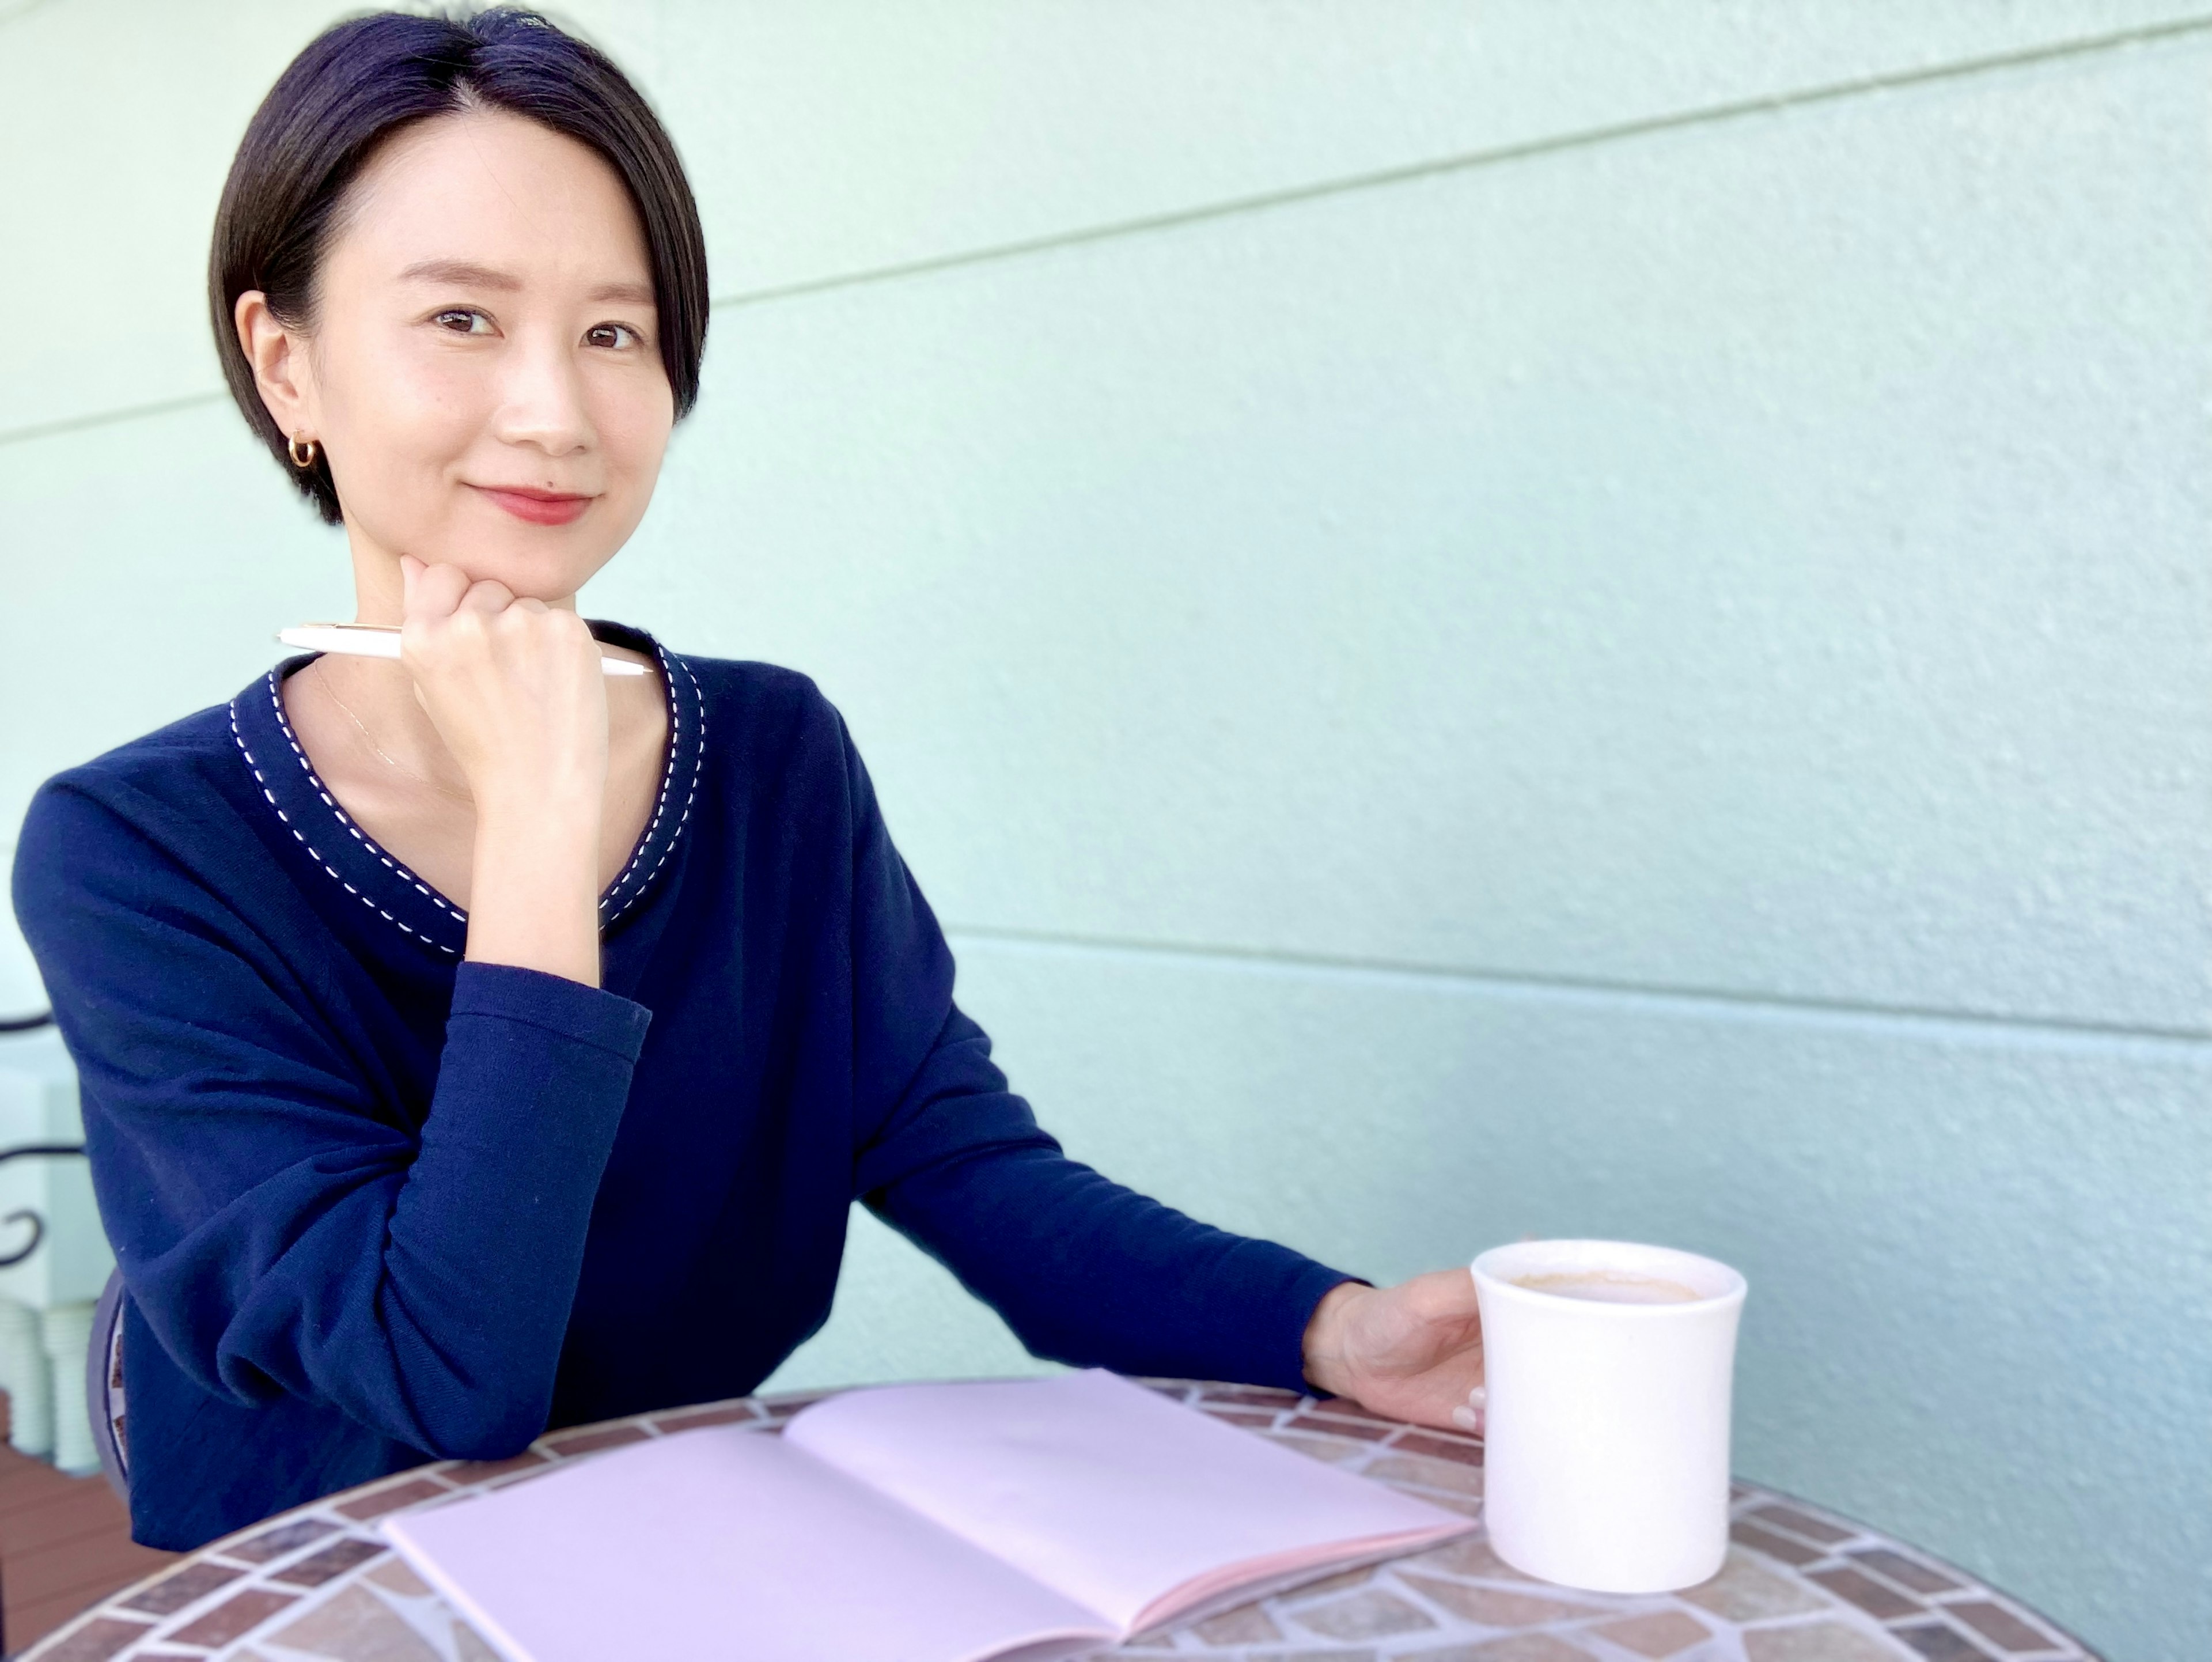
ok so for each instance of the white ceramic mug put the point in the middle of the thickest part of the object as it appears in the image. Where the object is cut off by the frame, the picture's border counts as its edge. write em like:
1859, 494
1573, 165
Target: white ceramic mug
1607, 1434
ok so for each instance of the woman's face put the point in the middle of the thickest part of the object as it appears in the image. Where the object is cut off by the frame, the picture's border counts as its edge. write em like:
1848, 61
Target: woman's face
483, 370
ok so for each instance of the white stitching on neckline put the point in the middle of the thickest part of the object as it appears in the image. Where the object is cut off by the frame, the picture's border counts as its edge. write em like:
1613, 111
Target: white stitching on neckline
630, 873
256, 767
660, 804
283, 726
698, 757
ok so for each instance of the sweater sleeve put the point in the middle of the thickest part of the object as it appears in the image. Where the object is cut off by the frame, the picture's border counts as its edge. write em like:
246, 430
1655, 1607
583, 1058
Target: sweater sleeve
282, 1225
1084, 1270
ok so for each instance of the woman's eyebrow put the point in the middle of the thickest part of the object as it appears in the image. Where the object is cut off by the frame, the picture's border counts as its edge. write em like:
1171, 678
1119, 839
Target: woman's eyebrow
467, 274
461, 272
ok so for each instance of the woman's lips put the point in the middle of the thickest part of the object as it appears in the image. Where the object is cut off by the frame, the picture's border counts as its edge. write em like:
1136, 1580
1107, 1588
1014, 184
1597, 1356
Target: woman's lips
539, 507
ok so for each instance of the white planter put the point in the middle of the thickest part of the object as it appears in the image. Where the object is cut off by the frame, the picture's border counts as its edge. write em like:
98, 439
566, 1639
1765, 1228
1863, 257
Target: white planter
46, 1301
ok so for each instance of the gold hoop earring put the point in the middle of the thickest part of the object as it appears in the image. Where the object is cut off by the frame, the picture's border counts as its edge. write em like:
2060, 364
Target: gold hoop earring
294, 448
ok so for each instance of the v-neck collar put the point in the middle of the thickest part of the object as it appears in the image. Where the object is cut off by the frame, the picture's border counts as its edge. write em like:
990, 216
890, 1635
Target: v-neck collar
365, 869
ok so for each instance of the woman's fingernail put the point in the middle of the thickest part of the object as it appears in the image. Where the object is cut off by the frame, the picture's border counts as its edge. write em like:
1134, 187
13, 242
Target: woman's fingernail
1478, 1395
1467, 1418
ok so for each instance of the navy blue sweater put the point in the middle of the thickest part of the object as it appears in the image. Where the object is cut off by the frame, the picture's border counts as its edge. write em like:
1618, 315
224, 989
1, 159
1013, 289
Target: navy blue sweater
375, 1204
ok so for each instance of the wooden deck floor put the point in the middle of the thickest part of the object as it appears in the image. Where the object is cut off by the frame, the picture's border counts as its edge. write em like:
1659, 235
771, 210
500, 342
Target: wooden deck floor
64, 1544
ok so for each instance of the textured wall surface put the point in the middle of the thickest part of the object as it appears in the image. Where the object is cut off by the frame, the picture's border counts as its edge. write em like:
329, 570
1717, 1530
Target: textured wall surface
1479, 618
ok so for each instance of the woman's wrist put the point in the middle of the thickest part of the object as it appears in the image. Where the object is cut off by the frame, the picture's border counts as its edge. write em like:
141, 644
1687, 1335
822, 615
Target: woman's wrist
533, 890
567, 794
1324, 1346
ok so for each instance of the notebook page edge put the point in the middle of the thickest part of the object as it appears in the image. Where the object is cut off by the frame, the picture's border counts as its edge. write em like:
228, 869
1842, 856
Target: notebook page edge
1233, 1585
1123, 1397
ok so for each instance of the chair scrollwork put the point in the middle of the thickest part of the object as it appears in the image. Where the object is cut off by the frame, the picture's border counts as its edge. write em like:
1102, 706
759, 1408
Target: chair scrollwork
26, 1214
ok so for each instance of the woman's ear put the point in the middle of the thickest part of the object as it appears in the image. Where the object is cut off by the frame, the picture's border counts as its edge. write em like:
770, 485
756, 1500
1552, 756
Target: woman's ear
281, 369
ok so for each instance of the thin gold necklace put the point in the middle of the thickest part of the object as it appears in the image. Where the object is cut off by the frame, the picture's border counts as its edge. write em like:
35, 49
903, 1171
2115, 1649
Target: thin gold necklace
367, 739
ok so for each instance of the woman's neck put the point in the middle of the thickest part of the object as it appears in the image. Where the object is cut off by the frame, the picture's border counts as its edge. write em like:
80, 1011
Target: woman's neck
375, 697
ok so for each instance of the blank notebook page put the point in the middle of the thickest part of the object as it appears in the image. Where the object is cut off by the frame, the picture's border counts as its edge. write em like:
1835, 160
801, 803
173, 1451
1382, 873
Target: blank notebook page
1102, 1489
724, 1541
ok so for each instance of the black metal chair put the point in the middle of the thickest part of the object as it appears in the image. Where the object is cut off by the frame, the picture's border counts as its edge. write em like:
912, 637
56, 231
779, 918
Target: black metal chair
24, 1025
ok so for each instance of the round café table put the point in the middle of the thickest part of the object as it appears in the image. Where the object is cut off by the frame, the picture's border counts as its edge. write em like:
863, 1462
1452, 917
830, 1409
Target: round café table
319, 1583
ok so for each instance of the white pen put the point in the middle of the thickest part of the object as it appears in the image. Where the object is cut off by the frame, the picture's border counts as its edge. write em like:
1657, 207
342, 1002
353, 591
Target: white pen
382, 641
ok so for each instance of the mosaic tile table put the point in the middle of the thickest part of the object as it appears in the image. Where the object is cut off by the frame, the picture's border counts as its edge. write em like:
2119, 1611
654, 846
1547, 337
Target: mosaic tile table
319, 1585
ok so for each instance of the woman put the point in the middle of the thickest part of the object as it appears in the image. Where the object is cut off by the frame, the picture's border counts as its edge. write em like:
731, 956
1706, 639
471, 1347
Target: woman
481, 1042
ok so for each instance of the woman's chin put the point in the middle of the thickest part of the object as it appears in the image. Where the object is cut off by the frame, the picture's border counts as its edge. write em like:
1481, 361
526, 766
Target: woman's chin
547, 562
541, 567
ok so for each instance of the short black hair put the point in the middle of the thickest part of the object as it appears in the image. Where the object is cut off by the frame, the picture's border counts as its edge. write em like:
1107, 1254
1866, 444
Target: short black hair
362, 80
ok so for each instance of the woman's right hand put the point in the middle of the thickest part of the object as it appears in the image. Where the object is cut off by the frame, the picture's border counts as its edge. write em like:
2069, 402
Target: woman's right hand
1413, 1351
515, 689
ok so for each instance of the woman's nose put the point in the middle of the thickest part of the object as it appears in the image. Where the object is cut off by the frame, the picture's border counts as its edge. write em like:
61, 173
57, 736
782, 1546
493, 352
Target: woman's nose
545, 402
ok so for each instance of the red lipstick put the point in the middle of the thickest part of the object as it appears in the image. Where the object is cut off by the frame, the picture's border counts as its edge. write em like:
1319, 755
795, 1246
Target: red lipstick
539, 507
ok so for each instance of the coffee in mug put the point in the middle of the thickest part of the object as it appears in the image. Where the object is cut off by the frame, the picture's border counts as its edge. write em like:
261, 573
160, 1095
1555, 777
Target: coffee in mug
1607, 1286
1609, 1368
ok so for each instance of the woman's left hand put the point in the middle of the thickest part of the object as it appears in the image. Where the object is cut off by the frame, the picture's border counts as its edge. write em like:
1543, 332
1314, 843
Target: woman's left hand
1413, 1351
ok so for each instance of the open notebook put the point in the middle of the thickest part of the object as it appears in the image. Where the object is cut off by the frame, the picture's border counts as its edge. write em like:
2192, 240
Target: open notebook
1023, 1520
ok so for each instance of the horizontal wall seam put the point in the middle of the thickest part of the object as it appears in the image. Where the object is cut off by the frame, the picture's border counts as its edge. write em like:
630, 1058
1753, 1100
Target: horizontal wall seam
46, 429
1379, 178
1704, 1000
1553, 145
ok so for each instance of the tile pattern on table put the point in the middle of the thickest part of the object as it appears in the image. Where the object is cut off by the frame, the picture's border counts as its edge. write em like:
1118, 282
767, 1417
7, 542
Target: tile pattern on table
320, 1583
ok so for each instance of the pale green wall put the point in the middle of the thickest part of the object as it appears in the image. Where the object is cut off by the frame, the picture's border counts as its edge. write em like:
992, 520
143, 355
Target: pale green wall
1480, 619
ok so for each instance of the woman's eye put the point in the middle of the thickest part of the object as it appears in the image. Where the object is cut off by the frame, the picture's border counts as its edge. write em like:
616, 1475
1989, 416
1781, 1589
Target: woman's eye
463, 320
610, 335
